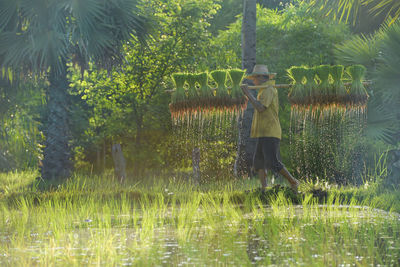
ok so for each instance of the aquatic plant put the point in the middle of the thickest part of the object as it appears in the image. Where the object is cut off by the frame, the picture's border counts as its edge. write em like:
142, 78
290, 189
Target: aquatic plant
238, 100
358, 94
178, 97
192, 80
179, 81
310, 86
219, 77
323, 72
338, 90
205, 90
236, 77
297, 90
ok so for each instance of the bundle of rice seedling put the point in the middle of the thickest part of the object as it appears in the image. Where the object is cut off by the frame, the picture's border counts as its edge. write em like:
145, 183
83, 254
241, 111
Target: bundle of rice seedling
338, 93
192, 101
358, 94
237, 77
238, 97
205, 93
222, 95
179, 80
191, 80
323, 72
178, 97
309, 86
296, 94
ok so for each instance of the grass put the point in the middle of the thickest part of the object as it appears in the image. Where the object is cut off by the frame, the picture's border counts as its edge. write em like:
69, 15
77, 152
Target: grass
97, 221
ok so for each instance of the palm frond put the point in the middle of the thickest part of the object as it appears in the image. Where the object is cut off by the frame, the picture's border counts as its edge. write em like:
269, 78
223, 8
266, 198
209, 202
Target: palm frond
14, 49
342, 10
361, 49
8, 14
349, 10
48, 48
45, 32
391, 8
127, 19
87, 14
380, 122
388, 72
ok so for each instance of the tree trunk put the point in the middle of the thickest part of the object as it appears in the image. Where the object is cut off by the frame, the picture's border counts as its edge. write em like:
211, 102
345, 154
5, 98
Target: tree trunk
246, 145
56, 161
119, 162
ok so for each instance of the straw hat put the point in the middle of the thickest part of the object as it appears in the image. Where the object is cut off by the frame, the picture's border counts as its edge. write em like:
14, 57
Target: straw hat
260, 70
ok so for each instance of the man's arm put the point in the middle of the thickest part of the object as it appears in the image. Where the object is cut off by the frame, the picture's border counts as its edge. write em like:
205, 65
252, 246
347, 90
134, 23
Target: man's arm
256, 104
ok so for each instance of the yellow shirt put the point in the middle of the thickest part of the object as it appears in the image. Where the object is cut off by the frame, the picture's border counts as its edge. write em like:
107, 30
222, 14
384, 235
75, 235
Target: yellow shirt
266, 123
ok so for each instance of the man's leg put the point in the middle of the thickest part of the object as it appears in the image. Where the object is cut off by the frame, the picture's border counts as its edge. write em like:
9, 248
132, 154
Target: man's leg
258, 163
274, 157
294, 183
262, 175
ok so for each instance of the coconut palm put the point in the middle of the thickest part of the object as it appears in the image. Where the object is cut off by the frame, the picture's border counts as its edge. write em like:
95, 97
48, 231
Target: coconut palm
39, 37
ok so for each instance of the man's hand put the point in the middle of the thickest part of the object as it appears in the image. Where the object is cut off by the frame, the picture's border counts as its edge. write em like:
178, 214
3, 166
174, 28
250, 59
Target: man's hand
245, 89
257, 105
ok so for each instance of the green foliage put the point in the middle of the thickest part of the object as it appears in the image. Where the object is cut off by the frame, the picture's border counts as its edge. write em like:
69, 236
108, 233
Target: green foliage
310, 85
387, 75
179, 80
205, 90
337, 76
357, 73
297, 75
350, 10
359, 49
70, 28
21, 104
231, 9
191, 79
323, 73
236, 77
379, 53
283, 40
130, 104
219, 77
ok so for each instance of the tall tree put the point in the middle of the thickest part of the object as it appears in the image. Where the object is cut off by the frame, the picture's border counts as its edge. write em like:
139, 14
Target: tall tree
246, 145
38, 37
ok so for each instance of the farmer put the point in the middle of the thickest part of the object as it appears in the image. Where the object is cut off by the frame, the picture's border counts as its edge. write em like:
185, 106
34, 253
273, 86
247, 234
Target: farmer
266, 126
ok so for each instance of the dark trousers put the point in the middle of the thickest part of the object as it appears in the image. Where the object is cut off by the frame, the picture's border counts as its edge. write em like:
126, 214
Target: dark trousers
267, 155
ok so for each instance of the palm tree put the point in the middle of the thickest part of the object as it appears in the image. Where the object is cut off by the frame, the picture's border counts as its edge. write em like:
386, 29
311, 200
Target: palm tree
39, 37
380, 53
246, 145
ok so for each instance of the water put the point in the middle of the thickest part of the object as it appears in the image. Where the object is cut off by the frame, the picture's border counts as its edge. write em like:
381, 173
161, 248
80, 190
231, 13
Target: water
326, 142
331, 235
214, 132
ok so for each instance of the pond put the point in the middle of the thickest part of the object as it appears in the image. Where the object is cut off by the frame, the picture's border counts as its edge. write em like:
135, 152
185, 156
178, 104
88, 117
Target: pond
197, 233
